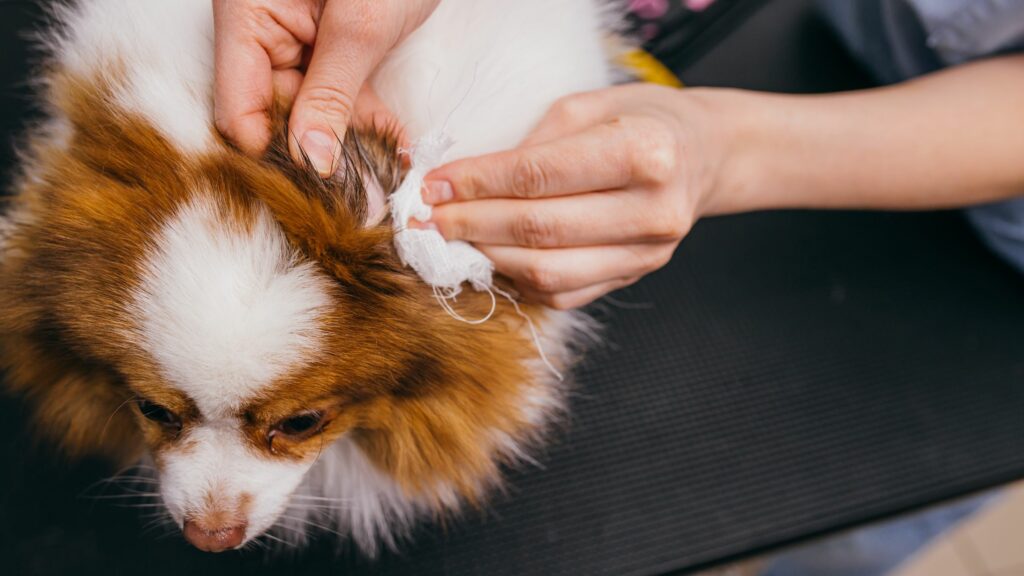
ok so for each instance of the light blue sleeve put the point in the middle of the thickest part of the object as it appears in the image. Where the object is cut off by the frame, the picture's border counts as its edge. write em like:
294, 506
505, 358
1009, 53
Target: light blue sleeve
899, 39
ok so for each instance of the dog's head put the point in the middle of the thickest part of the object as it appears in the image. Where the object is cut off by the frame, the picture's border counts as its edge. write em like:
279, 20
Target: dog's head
239, 319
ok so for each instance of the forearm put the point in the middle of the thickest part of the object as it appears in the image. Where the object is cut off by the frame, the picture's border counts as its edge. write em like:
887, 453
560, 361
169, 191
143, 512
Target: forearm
950, 139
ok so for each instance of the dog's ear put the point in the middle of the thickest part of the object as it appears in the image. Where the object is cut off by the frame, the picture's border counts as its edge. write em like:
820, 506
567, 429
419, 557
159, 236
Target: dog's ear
340, 222
369, 170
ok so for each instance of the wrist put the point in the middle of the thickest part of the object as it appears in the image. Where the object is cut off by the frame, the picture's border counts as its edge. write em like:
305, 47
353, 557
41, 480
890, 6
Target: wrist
733, 150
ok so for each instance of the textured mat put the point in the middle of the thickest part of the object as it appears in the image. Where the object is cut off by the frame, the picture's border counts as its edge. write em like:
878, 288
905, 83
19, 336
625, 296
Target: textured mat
787, 375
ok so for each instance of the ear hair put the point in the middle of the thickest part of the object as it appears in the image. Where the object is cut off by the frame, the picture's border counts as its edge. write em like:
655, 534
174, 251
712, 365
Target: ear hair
325, 218
369, 163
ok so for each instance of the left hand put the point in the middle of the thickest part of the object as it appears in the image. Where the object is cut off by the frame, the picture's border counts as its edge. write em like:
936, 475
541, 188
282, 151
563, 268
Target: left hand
599, 194
316, 53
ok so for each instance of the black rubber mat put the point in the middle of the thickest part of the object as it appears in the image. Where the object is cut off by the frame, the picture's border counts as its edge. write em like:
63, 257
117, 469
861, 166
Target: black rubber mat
787, 375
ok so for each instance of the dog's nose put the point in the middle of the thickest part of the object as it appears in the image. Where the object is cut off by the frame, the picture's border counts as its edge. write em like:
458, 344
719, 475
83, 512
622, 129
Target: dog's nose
214, 540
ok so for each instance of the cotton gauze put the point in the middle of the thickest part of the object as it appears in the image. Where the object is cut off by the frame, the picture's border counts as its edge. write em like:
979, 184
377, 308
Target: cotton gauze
443, 264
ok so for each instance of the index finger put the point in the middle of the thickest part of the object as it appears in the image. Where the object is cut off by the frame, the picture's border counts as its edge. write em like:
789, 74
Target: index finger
243, 85
589, 161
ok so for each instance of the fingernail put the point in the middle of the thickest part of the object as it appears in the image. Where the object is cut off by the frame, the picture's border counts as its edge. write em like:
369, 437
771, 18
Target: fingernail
321, 148
438, 192
417, 225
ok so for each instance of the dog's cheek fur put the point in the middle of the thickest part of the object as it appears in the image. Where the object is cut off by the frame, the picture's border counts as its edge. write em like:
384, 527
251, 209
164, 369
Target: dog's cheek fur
65, 273
458, 396
80, 407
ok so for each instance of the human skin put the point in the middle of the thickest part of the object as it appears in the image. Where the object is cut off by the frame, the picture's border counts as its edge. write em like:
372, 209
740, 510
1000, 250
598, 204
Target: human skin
610, 182
315, 53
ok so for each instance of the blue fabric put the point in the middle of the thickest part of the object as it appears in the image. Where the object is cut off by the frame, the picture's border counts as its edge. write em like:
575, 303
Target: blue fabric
1001, 226
876, 550
899, 39
962, 30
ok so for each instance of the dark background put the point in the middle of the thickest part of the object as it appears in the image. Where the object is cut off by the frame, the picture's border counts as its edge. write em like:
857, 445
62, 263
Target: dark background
787, 375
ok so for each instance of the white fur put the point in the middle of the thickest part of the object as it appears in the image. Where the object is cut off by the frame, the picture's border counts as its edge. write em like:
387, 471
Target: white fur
225, 311
214, 463
485, 71
157, 53
364, 503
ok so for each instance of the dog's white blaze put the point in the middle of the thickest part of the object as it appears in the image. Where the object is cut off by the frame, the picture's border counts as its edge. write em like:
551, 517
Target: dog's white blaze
216, 465
224, 310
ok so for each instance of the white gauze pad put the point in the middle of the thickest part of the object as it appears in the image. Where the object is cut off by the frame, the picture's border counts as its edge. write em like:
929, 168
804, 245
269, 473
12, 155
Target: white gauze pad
442, 264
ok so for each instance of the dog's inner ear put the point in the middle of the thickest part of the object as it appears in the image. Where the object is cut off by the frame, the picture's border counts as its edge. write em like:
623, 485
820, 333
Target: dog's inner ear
369, 170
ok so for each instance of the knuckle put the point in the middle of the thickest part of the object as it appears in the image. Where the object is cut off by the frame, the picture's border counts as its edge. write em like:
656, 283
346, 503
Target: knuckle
327, 99
570, 110
542, 278
373, 27
261, 14
258, 19
655, 259
528, 177
654, 155
667, 226
564, 301
534, 230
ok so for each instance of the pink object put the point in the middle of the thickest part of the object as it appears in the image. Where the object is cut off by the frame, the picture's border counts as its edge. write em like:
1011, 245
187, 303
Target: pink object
698, 5
649, 9
649, 31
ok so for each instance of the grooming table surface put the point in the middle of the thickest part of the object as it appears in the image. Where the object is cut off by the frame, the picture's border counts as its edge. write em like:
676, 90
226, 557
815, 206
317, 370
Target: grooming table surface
787, 375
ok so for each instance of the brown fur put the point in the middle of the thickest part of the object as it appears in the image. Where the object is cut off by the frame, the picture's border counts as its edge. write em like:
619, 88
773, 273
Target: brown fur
421, 392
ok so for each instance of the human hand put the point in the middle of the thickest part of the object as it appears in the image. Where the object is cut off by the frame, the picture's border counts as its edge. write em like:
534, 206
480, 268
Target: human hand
598, 195
317, 52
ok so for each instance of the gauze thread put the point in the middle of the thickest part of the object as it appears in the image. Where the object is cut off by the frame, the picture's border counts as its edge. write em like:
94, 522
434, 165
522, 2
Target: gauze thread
444, 265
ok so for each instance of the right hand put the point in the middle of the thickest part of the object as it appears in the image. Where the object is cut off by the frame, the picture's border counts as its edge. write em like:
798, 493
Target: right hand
597, 196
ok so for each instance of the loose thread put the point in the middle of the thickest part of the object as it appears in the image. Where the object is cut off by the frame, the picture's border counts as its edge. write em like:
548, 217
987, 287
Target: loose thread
445, 301
533, 332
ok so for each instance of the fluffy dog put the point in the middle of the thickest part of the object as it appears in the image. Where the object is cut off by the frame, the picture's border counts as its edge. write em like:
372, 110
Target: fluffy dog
247, 326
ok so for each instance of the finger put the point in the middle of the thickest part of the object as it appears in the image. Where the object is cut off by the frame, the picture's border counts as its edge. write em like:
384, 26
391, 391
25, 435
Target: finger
347, 50
596, 219
256, 56
372, 112
596, 159
569, 269
243, 86
286, 84
576, 298
568, 115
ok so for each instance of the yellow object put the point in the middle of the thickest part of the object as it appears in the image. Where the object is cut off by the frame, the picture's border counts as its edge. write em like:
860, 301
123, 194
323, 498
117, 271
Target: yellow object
648, 68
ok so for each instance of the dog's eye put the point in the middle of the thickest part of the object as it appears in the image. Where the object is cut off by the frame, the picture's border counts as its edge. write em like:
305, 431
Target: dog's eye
300, 425
159, 414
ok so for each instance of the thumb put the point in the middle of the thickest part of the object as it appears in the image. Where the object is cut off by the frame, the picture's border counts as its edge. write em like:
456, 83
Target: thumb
346, 53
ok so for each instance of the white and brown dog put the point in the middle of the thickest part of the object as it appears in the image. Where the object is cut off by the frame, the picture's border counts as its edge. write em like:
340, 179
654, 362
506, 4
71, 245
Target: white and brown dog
236, 321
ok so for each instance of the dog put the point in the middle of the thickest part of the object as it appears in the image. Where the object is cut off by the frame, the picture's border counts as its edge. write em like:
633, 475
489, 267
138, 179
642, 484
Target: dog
244, 326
